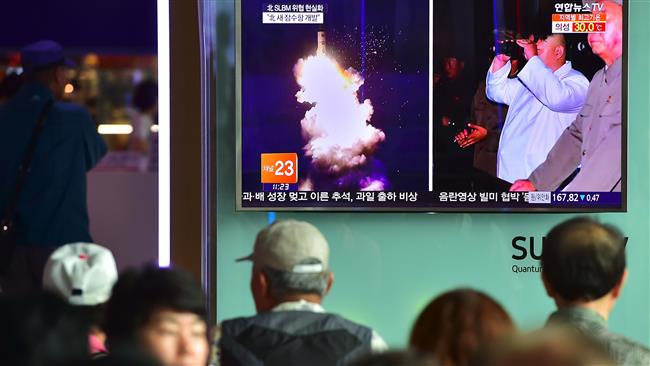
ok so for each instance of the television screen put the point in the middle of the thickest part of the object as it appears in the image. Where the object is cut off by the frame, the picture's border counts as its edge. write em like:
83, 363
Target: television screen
445, 105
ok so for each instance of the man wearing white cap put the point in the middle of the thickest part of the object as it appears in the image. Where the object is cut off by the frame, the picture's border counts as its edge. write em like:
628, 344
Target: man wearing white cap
83, 274
289, 279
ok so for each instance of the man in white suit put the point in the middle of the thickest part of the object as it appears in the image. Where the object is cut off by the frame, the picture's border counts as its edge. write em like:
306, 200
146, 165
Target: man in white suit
543, 100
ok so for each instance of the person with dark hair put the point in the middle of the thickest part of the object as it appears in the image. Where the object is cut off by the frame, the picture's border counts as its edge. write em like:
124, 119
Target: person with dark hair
457, 324
289, 279
583, 271
161, 310
83, 274
42, 201
39, 329
145, 101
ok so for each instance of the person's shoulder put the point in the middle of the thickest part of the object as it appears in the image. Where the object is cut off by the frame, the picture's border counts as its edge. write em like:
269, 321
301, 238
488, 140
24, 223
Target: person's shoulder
71, 108
574, 74
71, 113
233, 322
377, 343
626, 349
598, 74
351, 322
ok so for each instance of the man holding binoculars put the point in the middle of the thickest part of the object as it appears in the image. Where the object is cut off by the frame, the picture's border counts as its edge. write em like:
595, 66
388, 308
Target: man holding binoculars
543, 100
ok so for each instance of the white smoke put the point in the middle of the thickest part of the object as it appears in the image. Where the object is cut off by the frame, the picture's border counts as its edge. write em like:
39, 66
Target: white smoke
336, 127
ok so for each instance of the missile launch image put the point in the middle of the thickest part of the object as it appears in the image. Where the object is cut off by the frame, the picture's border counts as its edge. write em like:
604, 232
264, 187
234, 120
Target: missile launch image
349, 96
340, 138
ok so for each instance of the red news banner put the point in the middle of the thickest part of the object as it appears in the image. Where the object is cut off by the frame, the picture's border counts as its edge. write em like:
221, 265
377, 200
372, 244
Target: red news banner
578, 23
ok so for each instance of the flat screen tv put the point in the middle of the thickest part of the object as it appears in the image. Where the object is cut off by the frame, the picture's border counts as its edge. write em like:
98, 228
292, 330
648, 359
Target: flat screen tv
440, 105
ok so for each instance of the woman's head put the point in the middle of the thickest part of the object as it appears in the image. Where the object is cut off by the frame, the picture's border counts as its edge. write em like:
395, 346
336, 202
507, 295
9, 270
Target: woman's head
456, 324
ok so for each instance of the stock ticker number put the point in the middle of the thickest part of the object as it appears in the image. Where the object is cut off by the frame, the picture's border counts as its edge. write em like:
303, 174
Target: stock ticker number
576, 197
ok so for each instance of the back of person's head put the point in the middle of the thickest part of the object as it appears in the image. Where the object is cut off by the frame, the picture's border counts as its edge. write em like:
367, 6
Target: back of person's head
551, 346
289, 258
40, 329
456, 324
398, 358
583, 260
83, 274
161, 309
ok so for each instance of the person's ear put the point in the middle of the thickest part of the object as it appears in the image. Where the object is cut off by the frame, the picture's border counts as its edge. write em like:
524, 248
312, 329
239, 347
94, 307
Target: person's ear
330, 281
261, 290
559, 52
265, 287
259, 284
616, 291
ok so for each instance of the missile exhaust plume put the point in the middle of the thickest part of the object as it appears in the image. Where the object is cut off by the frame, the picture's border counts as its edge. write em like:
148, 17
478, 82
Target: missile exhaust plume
337, 125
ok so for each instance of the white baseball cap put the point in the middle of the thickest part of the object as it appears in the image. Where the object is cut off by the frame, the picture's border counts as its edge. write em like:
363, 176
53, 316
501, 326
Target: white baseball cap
290, 246
81, 273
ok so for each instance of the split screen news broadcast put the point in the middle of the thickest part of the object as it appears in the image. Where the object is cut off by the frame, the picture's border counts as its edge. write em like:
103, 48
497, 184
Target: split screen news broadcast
446, 105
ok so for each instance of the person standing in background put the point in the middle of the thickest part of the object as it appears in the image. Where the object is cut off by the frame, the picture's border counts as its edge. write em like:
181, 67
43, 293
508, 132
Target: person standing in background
51, 208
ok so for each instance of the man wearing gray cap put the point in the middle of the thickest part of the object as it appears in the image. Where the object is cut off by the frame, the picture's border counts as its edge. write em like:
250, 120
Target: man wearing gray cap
46, 148
289, 279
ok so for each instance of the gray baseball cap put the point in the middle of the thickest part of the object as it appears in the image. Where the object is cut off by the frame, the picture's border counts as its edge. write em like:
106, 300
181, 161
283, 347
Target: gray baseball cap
290, 246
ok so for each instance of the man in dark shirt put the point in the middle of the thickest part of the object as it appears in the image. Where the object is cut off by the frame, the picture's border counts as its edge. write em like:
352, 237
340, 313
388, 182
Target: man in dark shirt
51, 209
